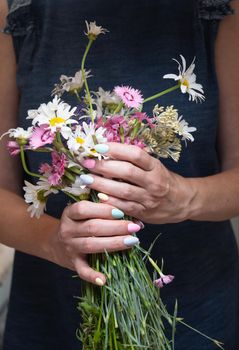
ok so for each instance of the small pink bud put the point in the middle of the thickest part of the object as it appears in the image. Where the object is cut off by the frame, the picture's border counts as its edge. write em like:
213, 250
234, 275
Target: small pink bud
163, 280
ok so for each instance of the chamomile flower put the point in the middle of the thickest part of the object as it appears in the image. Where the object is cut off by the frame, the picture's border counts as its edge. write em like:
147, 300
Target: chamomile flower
184, 130
187, 80
36, 195
93, 31
55, 116
84, 138
20, 134
77, 188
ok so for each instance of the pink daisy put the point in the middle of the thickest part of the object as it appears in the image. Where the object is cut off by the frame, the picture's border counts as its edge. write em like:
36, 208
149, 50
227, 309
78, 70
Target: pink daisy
132, 98
41, 136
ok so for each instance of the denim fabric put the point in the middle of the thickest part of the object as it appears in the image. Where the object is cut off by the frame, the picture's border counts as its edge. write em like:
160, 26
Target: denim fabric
144, 36
214, 9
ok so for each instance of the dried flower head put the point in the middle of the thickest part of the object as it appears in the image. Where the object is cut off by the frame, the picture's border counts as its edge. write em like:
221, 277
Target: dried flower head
70, 84
93, 31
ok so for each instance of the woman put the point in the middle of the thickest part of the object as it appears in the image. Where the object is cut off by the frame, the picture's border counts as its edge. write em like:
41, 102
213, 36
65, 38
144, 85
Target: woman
194, 198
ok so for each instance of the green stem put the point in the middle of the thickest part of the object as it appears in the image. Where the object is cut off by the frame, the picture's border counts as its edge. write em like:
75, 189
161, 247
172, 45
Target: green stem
162, 93
118, 108
84, 77
77, 95
24, 164
71, 196
202, 334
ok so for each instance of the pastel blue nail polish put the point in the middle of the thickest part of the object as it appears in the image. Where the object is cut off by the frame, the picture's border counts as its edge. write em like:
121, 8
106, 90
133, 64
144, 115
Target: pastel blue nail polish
101, 148
117, 214
87, 179
131, 241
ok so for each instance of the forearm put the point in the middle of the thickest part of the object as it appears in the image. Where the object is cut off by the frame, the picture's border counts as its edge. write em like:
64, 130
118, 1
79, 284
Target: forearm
20, 231
215, 198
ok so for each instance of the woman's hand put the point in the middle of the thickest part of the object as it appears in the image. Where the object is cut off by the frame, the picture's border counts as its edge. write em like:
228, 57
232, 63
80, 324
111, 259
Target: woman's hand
87, 228
140, 185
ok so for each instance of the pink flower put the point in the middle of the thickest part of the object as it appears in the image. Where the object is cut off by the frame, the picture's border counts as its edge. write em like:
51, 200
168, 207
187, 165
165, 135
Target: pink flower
13, 148
56, 170
45, 168
113, 126
41, 136
142, 117
163, 280
131, 97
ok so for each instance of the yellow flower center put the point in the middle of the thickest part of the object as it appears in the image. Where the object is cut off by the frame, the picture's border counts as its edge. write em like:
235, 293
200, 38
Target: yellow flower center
80, 140
186, 83
56, 120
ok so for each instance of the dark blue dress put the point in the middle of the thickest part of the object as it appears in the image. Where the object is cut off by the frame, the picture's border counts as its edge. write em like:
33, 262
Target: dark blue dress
144, 36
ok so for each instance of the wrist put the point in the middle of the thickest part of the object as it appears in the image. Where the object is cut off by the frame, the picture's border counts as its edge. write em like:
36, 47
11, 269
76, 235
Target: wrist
185, 193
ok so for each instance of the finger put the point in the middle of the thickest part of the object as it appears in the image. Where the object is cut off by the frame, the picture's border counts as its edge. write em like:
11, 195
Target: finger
130, 208
86, 210
129, 153
120, 170
114, 188
105, 228
92, 245
87, 273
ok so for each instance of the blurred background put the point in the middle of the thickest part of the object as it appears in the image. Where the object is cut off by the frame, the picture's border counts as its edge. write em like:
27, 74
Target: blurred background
6, 260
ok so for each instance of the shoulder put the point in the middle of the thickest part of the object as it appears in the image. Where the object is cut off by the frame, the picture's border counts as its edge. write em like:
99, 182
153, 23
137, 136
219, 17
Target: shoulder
3, 13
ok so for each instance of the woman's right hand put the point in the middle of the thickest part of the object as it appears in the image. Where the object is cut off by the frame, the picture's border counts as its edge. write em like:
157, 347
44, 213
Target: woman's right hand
88, 228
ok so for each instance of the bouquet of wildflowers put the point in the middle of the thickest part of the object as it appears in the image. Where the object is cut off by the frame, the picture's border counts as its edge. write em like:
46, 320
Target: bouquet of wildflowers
126, 313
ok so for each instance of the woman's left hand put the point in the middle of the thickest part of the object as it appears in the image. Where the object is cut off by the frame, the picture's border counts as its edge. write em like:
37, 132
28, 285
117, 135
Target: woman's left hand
139, 184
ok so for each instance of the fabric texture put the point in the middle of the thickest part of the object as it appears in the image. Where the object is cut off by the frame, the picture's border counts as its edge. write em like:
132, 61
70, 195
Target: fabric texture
214, 9
144, 37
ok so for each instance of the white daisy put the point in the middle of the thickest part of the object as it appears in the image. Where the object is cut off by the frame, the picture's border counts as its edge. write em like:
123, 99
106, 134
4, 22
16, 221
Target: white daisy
19, 133
56, 115
84, 138
93, 30
184, 130
36, 195
77, 188
187, 81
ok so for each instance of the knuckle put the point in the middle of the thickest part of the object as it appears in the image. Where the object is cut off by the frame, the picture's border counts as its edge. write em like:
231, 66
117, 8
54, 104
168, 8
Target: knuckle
86, 246
132, 208
79, 208
126, 191
91, 228
63, 232
138, 154
129, 171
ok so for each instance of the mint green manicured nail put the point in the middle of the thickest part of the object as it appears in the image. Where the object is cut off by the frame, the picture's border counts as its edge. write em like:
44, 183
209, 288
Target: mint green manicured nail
87, 179
131, 241
117, 214
101, 148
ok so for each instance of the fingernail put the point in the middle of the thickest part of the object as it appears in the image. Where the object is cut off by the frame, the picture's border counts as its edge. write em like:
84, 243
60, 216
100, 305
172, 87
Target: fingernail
88, 163
132, 228
117, 214
101, 148
87, 179
99, 282
140, 223
131, 241
103, 196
